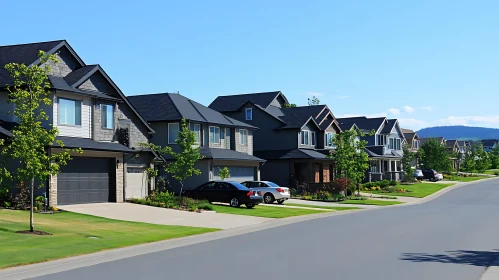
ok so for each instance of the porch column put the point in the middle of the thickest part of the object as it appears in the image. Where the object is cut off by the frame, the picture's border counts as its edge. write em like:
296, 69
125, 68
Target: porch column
380, 166
389, 166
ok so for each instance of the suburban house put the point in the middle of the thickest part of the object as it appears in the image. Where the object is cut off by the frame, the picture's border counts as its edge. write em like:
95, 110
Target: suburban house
412, 141
295, 142
489, 144
384, 139
223, 141
440, 140
454, 151
91, 113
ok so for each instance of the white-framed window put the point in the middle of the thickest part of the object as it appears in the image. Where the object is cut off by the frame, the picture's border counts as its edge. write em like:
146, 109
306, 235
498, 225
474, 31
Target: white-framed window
415, 144
197, 133
107, 116
398, 143
69, 111
249, 114
222, 133
304, 137
329, 139
381, 140
173, 130
313, 138
214, 134
243, 136
391, 143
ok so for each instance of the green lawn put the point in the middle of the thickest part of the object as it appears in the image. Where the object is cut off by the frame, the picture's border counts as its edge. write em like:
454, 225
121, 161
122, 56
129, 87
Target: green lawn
323, 207
74, 234
416, 190
466, 179
265, 211
371, 202
491, 171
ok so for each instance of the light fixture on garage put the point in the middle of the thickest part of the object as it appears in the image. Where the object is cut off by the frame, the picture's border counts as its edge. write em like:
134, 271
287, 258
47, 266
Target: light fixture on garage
117, 164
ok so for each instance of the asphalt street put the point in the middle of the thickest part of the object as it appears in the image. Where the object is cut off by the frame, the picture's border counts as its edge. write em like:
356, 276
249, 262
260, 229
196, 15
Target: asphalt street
452, 237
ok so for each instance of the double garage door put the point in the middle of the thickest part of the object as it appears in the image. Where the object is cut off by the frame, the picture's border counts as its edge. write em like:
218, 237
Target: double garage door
86, 180
238, 174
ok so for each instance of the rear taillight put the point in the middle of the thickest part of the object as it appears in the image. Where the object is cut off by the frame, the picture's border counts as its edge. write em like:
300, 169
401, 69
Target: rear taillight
280, 190
250, 193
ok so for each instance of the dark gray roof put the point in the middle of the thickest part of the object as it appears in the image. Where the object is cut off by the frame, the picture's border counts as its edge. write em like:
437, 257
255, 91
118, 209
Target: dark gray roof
325, 124
291, 154
89, 144
173, 107
231, 103
374, 152
390, 123
5, 132
61, 84
450, 143
297, 117
408, 133
78, 74
363, 123
489, 142
219, 154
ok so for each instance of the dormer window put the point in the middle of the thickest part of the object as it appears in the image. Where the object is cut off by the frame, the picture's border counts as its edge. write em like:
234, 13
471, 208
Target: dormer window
249, 114
313, 138
329, 139
304, 137
381, 140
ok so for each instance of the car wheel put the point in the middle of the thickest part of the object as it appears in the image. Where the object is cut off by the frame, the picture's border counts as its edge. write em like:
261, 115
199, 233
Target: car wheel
280, 201
250, 205
268, 198
235, 202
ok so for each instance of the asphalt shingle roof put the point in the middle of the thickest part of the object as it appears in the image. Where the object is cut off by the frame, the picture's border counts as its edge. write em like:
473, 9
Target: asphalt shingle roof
450, 143
172, 107
363, 122
388, 126
291, 154
89, 144
230, 103
372, 153
219, 154
79, 73
298, 116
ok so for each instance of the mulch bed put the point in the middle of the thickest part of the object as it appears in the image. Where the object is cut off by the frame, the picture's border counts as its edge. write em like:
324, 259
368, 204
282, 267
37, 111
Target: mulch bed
35, 232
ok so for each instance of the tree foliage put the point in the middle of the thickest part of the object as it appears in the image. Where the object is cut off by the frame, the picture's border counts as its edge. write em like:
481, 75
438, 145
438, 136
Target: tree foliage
313, 101
223, 173
407, 159
30, 141
181, 167
351, 161
494, 157
289, 105
479, 156
434, 155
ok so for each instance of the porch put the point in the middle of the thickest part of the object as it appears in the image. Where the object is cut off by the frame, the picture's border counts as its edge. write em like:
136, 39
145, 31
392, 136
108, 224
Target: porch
384, 169
310, 174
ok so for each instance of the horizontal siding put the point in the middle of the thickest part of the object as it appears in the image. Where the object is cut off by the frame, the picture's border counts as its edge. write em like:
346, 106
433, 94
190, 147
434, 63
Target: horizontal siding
83, 131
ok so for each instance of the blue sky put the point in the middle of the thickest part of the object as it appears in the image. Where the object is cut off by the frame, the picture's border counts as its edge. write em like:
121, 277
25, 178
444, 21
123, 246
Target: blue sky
424, 62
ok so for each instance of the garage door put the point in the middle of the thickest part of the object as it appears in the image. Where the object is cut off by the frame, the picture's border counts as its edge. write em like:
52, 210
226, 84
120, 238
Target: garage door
238, 174
84, 180
136, 183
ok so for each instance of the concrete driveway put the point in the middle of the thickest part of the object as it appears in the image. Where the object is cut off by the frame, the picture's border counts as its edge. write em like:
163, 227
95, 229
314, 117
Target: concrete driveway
162, 216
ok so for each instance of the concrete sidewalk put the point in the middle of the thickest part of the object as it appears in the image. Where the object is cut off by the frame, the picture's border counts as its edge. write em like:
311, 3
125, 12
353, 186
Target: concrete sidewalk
162, 216
405, 199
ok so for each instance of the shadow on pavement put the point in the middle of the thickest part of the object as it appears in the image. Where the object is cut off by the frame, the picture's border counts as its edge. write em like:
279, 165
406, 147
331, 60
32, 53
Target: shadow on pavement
475, 258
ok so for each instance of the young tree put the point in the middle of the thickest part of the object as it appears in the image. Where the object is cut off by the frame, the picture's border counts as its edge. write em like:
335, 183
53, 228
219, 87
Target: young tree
494, 157
313, 101
182, 165
351, 160
482, 161
434, 155
30, 140
223, 173
469, 164
407, 159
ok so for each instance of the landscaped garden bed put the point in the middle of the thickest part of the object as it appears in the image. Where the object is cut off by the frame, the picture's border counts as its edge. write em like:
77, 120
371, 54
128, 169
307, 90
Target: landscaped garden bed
169, 200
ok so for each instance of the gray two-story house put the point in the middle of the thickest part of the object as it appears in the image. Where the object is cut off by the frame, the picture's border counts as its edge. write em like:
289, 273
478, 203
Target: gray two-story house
384, 139
223, 141
412, 142
295, 142
91, 113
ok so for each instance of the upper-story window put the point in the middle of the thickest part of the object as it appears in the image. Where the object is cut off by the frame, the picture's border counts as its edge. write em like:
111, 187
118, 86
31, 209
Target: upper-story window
173, 130
107, 116
197, 133
249, 114
243, 136
214, 134
381, 140
222, 133
313, 138
415, 144
304, 137
398, 143
391, 143
69, 112
329, 139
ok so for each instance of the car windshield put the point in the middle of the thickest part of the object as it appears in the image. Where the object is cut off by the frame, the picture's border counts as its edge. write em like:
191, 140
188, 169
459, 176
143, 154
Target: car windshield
273, 185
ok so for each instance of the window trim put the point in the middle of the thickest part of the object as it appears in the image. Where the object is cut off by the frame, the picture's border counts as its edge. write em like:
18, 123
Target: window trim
329, 144
222, 134
198, 136
59, 111
241, 138
313, 139
102, 106
214, 138
306, 132
174, 142
246, 114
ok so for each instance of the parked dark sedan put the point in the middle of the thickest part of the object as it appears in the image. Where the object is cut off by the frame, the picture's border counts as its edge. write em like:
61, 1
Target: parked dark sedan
431, 175
228, 192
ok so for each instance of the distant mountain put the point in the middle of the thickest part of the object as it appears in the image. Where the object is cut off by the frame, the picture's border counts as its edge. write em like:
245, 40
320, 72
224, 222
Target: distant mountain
459, 132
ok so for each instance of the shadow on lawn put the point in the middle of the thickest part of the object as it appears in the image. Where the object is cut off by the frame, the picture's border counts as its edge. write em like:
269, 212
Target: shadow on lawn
467, 257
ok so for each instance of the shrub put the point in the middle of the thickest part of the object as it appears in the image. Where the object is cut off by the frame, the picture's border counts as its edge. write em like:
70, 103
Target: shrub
293, 192
384, 184
164, 197
337, 186
40, 199
205, 206
393, 183
322, 195
496, 173
39, 205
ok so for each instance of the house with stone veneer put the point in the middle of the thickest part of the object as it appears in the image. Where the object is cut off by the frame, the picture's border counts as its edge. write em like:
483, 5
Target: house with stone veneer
92, 113
295, 142
223, 141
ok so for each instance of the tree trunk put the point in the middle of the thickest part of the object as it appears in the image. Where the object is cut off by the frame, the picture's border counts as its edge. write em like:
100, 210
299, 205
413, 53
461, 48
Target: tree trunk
181, 188
32, 202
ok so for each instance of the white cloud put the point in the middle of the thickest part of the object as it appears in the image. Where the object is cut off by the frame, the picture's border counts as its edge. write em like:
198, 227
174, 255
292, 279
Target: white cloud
316, 94
427, 108
412, 123
342, 96
394, 111
376, 115
487, 121
409, 109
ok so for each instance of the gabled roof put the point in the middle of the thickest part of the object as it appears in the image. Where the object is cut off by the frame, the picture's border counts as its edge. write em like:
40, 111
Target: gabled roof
409, 134
374, 152
219, 154
439, 139
297, 117
390, 124
291, 154
89, 144
489, 142
451, 143
78, 74
231, 103
363, 123
174, 107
